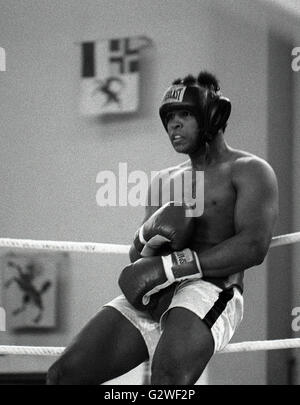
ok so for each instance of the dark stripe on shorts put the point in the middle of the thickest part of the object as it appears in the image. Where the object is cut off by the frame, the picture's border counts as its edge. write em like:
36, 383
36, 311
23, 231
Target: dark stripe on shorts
218, 307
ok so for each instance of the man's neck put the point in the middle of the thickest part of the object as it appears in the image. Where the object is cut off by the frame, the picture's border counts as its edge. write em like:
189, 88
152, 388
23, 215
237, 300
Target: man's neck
209, 153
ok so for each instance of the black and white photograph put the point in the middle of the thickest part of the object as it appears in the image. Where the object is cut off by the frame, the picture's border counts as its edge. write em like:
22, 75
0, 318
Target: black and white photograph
150, 215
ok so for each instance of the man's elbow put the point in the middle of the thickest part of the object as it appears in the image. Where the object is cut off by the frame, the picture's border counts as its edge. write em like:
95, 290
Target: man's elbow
259, 256
259, 249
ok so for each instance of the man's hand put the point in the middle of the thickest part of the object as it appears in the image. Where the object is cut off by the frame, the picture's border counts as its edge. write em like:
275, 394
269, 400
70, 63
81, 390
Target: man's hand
169, 226
139, 280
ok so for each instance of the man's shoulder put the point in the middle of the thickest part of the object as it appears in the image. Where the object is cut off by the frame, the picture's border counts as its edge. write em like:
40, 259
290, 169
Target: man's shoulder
246, 165
173, 169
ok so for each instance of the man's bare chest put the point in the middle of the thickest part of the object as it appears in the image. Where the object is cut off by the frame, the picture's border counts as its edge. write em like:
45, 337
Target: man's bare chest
219, 193
212, 188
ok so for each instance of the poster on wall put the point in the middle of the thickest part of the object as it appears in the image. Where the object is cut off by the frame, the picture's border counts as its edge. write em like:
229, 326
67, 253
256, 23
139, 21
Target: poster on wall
29, 287
110, 75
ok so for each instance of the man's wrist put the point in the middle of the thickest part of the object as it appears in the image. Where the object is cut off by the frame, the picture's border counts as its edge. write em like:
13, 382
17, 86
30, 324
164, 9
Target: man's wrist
168, 263
182, 265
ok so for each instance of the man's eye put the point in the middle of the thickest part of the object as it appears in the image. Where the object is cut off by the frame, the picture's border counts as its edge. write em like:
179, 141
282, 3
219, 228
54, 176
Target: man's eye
181, 114
169, 117
185, 114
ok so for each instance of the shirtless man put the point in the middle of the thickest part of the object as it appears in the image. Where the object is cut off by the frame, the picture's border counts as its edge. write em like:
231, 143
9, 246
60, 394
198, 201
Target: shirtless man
183, 304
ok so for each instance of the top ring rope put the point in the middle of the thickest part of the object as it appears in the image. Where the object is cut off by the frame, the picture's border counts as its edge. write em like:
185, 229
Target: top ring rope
281, 240
83, 247
91, 247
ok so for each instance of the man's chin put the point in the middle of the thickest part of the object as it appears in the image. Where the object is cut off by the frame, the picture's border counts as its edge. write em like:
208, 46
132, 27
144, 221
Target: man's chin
185, 151
181, 149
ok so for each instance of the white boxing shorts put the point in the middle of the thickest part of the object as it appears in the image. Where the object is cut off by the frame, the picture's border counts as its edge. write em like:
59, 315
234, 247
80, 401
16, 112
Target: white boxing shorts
221, 310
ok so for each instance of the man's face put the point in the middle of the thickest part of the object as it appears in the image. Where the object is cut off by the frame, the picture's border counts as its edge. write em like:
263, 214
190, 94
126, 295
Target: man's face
183, 130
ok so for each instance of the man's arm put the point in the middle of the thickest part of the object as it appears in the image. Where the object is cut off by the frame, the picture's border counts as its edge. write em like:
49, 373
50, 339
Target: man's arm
255, 215
134, 254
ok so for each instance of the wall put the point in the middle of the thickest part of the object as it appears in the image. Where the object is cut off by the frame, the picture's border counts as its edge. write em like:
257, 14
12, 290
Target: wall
282, 23
280, 145
296, 219
50, 156
240, 50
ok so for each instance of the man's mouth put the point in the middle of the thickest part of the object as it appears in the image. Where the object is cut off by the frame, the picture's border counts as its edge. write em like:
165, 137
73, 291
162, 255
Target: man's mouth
177, 138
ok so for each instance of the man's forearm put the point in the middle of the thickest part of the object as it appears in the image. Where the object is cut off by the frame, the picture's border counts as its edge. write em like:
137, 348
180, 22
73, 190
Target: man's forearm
232, 256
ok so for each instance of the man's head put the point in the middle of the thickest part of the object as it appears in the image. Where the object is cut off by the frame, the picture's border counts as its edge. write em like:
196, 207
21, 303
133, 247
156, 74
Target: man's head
200, 97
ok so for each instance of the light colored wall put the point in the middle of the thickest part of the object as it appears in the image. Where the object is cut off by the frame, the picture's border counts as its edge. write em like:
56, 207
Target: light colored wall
50, 156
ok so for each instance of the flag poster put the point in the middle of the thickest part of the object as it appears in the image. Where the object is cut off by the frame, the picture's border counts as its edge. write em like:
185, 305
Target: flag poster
110, 76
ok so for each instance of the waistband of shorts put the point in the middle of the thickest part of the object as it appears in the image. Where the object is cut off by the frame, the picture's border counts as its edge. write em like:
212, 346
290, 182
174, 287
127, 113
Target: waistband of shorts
222, 284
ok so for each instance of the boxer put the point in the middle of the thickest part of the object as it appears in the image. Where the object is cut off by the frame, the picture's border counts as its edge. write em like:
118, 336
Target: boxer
194, 278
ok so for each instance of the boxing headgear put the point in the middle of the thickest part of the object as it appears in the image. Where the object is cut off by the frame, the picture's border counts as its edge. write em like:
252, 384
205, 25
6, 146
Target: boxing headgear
210, 108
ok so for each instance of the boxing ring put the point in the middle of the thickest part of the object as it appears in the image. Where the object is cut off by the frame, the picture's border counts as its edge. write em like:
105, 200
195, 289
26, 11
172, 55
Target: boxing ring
104, 248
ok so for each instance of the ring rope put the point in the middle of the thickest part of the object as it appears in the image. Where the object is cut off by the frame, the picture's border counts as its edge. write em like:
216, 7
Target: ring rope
250, 346
262, 345
31, 350
91, 247
281, 240
83, 247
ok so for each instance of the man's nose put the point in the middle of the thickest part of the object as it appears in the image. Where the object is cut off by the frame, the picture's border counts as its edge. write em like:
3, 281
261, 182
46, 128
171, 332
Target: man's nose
176, 122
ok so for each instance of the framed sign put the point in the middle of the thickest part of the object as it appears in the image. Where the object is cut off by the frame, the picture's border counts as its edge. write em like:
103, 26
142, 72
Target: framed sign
29, 288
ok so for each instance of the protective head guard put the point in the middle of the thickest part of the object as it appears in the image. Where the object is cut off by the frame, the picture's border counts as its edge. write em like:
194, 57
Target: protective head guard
210, 108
